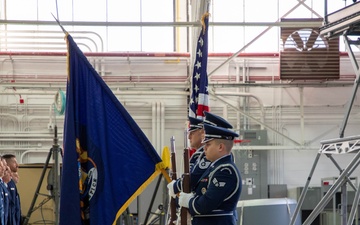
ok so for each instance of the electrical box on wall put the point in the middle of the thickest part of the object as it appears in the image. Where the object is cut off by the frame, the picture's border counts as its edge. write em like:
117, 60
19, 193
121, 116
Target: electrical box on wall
253, 165
326, 184
256, 137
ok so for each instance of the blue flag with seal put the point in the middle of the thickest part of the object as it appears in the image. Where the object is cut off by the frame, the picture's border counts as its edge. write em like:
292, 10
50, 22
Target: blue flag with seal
108, 161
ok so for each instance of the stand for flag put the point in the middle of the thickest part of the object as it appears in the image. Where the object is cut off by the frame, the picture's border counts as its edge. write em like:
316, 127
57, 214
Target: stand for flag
160, 212
159, 216
53, 186
126, 218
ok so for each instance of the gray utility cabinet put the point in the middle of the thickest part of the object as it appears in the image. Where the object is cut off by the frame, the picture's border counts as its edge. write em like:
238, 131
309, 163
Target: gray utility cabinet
252, 165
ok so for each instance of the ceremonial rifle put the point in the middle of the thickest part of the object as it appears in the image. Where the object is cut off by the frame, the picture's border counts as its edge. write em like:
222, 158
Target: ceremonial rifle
186, 182
173, 215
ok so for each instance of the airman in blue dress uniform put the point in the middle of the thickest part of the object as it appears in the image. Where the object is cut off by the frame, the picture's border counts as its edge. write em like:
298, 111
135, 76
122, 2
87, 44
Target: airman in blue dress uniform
198, 162
195, 134
215, 196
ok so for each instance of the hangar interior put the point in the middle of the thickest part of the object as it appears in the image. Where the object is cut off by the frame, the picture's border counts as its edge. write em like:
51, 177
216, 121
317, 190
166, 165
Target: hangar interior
287, 80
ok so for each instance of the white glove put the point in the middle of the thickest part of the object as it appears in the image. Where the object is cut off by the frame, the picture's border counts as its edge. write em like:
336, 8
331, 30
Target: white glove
170, 187
184, 199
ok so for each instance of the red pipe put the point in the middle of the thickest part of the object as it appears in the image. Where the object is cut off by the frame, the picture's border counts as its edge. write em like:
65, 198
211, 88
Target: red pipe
138, 54
143, 78
225, 78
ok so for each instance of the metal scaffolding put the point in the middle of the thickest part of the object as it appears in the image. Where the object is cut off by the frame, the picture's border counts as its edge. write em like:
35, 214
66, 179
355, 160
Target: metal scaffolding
346, 23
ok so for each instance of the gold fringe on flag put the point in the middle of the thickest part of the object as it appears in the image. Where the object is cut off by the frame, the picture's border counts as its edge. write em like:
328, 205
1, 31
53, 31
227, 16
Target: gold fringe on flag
67, 56
203, 21
164, 164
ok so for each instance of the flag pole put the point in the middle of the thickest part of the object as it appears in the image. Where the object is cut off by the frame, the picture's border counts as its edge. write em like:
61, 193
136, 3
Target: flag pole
58, 22
57, 151
54, 186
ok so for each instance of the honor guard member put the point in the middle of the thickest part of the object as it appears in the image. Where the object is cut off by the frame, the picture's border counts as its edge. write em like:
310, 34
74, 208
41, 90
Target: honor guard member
217, 192
195, 134
198, 162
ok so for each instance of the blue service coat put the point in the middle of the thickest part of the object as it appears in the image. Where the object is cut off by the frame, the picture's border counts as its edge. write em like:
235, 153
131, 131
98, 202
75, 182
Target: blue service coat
197, 166
2, 207
216, 194
15, 208
6, 201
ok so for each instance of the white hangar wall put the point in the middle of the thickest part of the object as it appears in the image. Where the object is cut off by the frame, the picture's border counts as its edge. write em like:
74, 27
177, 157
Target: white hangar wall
153, 87
296, 116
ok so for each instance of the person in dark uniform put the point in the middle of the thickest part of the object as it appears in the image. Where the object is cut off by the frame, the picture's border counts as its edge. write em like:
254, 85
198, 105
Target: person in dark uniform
15, 208
215, 196
4, 190
14, 205
2, 196
198, 162
195, 133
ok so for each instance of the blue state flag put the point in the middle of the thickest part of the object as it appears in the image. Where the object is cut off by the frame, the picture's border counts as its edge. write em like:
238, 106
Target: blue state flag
108, 161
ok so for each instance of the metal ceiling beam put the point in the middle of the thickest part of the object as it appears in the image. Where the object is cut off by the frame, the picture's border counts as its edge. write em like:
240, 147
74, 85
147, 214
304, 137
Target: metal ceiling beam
160, 24
300, 2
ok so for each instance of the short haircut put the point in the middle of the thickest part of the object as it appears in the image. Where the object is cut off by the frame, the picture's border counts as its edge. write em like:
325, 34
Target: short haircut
8, 156
228, 143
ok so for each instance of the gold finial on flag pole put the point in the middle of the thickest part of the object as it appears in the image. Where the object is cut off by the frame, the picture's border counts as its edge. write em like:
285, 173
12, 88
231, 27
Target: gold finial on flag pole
205, 15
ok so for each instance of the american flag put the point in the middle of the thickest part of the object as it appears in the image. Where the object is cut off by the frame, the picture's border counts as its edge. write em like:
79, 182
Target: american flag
199, 101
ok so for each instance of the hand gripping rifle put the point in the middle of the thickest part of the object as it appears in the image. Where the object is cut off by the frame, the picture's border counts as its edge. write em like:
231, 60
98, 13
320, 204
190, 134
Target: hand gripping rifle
186, 182
173, 215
